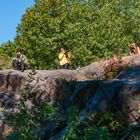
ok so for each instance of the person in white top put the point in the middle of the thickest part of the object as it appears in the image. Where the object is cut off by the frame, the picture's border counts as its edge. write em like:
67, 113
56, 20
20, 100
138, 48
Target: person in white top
20, 61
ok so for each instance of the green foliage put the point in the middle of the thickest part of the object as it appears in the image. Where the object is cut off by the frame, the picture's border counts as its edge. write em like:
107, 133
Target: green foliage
5, 62
90, 29
8, 48
134, 135
27, 121
72, 121
101, 126
98, 133
7, 51
108, 120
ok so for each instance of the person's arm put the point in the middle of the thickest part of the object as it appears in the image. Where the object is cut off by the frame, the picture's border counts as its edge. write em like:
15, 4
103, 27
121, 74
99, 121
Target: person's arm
130, 53
25, 59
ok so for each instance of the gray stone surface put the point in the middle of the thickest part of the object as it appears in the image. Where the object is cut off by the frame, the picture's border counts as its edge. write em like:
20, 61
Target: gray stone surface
79, 87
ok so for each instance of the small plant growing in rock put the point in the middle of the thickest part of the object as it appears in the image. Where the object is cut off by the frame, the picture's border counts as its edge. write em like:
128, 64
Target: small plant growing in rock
112, 67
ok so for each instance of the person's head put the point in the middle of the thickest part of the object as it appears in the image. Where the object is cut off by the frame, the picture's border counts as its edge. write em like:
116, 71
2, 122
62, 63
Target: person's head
133, 45
18, 53
62, 48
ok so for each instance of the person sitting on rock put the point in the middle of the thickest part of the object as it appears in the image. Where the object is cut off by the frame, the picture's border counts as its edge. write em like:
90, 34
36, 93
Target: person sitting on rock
20, 61
65, 58
134, 49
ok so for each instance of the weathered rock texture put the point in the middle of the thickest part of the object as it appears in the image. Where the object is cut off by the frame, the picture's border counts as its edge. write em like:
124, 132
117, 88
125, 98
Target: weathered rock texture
80, 87
11, 82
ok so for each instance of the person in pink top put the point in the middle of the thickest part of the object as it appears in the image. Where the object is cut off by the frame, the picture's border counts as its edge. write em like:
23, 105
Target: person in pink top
134, 49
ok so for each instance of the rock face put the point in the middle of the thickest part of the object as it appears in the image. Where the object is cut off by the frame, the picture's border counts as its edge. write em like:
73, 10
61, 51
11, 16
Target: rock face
11, 82
122, 97
80, 88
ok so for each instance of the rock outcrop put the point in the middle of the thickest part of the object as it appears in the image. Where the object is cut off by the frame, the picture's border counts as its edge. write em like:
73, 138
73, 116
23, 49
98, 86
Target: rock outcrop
84, 87
78, 87
11, 83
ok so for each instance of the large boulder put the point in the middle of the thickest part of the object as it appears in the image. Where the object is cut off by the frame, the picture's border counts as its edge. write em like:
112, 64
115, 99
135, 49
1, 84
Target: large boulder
79, 87
85, 88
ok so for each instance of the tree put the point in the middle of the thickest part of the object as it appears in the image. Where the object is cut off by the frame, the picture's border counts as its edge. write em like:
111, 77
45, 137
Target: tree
90, 29
7, 51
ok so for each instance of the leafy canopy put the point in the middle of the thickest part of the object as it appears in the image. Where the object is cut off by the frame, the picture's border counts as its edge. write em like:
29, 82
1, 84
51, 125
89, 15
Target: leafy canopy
90, 29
